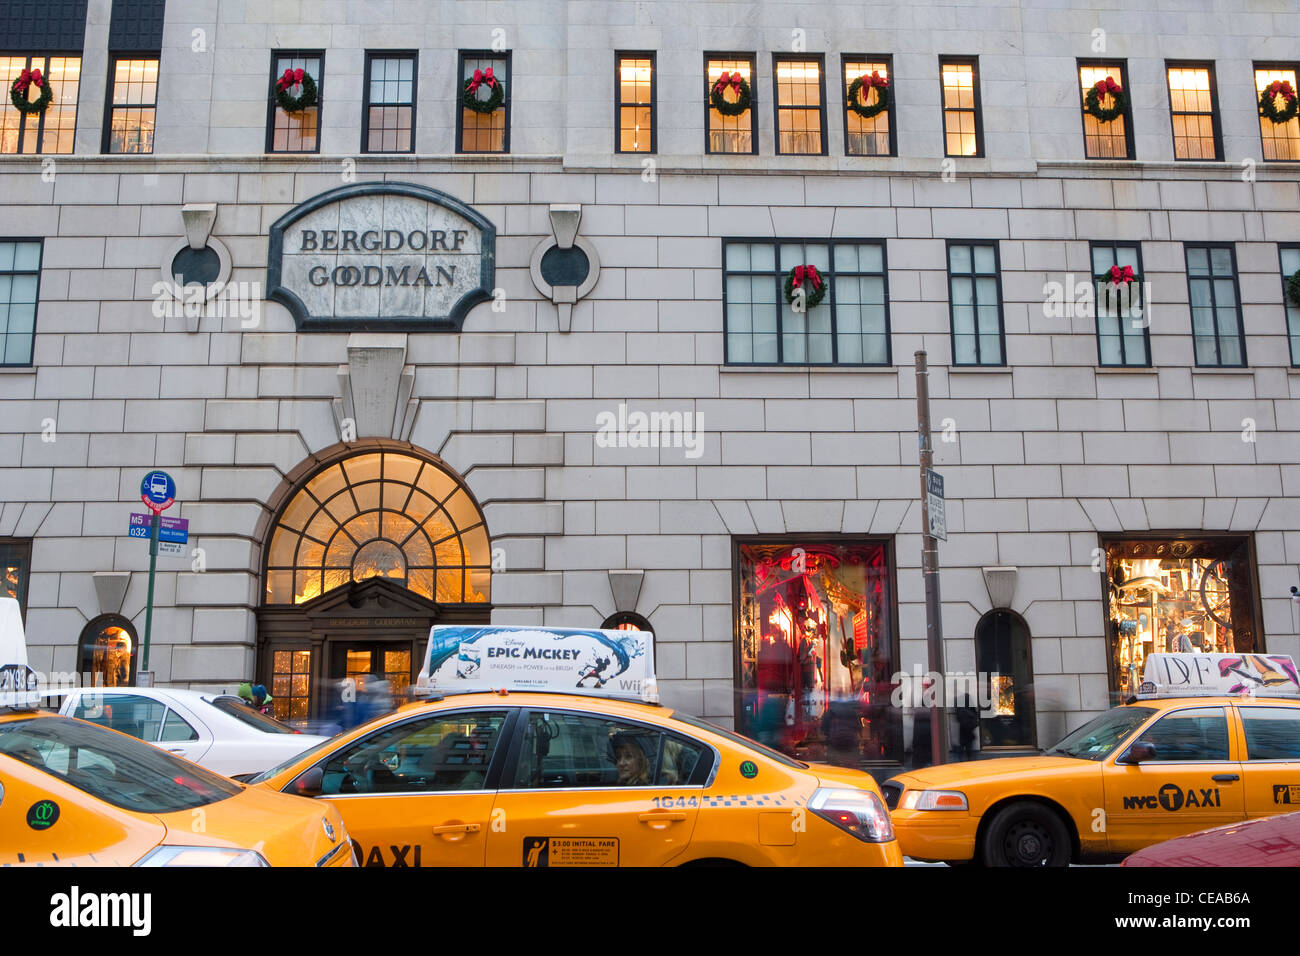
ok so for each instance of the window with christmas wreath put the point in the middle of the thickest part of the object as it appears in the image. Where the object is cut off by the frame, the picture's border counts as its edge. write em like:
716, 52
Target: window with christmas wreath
1123, 334
1107, 118
1289, 254
868, 110
293, 121
1279, 110
729, 95
483, 120
39, 112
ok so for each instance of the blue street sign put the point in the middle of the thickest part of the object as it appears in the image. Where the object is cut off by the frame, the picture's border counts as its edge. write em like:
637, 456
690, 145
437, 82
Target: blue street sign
169, 529
158, 491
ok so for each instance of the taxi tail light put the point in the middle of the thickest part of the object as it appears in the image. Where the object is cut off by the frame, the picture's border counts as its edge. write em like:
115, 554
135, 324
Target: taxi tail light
202, 856
860, 812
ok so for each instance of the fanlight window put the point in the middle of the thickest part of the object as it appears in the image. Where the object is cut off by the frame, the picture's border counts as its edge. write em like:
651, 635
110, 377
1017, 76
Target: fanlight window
381, 514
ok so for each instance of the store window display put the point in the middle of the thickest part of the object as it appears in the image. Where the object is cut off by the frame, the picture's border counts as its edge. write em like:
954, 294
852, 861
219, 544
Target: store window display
1179, 596
108, 652
816, 650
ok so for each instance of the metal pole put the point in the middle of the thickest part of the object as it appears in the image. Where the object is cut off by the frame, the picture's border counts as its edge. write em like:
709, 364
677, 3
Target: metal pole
930, 569
154, 524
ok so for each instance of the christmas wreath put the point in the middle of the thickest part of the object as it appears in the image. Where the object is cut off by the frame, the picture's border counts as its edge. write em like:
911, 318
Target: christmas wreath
873, 82
1268, 102
18, 92
1092, 102
740, 86
1117, 275
470, 95
305, 100
795, 280
1293, 287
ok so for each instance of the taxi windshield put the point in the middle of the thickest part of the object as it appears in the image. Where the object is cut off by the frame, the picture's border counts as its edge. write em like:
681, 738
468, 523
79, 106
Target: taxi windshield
116, 769
743, 741
285, 765
1099, 736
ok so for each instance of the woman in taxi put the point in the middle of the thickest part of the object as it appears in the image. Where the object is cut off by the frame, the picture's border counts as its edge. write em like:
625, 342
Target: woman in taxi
631, 761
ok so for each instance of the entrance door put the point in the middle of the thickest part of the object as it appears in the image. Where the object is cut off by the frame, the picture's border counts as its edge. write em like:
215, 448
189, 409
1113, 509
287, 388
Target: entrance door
366, 663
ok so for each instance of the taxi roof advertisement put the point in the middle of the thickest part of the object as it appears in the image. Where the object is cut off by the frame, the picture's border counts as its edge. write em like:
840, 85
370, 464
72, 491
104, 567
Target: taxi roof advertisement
1219, 675
462, 658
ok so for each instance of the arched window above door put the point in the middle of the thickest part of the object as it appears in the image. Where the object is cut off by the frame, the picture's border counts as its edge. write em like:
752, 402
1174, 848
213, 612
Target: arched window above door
380, 514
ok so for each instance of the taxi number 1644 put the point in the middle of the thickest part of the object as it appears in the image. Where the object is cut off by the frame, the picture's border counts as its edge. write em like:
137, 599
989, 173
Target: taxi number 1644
666, 803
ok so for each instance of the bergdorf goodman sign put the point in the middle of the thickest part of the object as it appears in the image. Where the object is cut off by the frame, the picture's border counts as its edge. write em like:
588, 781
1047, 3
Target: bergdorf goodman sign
381, 256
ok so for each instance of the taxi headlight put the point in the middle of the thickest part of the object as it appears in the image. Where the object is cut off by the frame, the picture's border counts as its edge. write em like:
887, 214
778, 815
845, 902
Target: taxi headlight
860, 812
202, 856
934, 800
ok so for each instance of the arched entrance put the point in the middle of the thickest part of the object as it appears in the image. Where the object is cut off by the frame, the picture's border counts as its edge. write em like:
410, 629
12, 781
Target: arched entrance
366, 553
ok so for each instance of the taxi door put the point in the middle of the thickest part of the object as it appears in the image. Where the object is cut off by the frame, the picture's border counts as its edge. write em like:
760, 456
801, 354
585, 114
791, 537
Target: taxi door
1271, 764
588, 790
419, 792
1191, 784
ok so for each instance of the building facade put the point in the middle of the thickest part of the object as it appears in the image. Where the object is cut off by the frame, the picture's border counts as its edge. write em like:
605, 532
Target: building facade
506, 313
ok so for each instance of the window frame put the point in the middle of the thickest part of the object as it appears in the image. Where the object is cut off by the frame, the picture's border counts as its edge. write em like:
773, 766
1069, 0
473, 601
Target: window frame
1255, 67
952, 324
371, 56
1236, 288
272, 106
752, 58
620, 105
830, 243
1081, 64
78, 55
36, 313
107, 132
1258, 704
888, 60
1228, 734
1112, 244
18, 552
1292, 334
1215, 118
461, 57
974, 63
777, 60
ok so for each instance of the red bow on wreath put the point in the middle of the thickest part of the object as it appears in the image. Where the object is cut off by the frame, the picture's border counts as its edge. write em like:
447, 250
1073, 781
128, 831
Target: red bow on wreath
810, 272
875, 79
1281, 88
1107, 85
28, 77
481, 77
290, 78
729, 79
1118, 275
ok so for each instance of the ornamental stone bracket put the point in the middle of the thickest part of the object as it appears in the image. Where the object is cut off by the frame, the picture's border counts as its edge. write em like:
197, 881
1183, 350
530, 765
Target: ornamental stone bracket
565, 267
626, 589
375, 388
1001, 584
110, 590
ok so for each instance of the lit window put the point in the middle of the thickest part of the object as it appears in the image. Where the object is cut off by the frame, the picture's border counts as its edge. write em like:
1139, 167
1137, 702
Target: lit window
20, 276
1109, 139
976, 304
134, 98
52, 130
799, 107
296, 132
867, 136
1191, 107
1281, 140
636, 106
1216, 313
731, 134
390, 103
15, 570
961, 108
484, 132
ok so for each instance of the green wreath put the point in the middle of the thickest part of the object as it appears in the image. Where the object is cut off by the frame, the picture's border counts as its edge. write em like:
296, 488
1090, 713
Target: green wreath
744, 96
19, 97
1092, 101
880, 85
1293, 287
469, 97
304, 101
811, 298
1268, 102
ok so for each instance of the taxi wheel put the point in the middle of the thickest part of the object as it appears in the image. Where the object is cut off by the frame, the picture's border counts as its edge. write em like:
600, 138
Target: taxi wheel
1026, 834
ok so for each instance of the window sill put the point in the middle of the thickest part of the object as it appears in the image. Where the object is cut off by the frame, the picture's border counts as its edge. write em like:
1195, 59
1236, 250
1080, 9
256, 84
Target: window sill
805, 369
1229, 370
17, 369
1125, 369
976, 369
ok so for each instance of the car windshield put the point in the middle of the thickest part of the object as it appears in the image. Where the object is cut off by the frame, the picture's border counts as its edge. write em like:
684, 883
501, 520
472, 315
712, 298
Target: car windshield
112, 767
240, 711
1099, 736
743, 741
285, 765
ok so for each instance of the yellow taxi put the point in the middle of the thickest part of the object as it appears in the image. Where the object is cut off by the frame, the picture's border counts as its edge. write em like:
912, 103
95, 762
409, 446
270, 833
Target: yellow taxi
538, 779
73, 793
1210, 739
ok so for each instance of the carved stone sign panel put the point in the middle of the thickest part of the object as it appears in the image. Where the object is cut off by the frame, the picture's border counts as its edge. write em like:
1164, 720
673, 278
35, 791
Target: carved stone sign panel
381, 256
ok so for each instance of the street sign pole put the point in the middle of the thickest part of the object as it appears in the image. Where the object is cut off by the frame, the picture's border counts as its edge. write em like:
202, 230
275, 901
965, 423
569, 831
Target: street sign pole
158, 492
154, 524
930, 569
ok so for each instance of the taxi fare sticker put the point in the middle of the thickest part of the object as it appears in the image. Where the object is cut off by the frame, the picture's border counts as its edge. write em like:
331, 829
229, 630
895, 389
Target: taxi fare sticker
1286, 793
570, 851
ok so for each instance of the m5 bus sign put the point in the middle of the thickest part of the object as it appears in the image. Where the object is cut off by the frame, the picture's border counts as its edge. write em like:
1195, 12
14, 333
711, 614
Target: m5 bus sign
169, 529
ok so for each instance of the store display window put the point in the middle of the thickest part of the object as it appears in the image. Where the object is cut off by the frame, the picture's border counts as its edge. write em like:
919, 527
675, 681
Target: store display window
108, 652
1194, 595
816, 651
